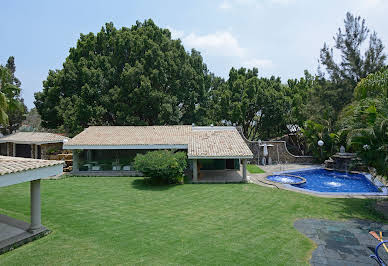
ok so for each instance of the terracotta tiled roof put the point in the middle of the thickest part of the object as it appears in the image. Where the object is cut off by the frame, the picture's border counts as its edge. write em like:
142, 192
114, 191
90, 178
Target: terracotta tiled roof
10, 165
218, 143
33, 138
200, 141
131, 135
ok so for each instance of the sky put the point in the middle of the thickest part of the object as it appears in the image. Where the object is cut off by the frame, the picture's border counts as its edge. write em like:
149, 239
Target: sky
279, 37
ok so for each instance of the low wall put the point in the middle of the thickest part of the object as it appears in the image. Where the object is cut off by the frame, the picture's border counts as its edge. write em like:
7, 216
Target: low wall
45, 148
278, 153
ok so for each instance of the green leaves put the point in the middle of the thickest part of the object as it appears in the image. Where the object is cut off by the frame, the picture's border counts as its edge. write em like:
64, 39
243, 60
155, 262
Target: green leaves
12, 108
373, 86
127, 76
162, 166
354, 66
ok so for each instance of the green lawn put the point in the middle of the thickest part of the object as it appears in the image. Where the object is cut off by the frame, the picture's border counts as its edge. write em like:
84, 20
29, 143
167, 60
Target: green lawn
254, 169
121, 221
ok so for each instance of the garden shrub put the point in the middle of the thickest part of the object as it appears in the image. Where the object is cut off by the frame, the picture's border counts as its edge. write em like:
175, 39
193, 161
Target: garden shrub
162, 167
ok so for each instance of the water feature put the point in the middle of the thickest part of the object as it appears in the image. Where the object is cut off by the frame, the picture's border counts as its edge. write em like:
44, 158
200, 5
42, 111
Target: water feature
341, 161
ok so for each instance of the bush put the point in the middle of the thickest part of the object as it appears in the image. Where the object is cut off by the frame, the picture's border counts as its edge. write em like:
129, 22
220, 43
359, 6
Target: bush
162, 167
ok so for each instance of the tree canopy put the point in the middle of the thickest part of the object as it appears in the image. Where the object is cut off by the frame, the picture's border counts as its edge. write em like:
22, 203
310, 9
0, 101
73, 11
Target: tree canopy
356, 63
127, 76
12, 108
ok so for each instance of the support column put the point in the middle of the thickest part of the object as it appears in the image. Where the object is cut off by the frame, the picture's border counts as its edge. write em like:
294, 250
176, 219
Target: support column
244, 161
14, 149
36, 223
195, 170
75, 161
36, 151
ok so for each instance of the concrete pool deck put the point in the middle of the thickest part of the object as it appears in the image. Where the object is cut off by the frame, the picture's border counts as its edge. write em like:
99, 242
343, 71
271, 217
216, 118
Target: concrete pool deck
15, 233
260, 179
342, 243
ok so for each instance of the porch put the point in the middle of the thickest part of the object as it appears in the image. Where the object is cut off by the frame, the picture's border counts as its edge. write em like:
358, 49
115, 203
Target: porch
219, 170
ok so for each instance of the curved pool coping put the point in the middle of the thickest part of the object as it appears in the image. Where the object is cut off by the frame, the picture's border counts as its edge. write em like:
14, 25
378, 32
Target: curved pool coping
377, 183
303, 180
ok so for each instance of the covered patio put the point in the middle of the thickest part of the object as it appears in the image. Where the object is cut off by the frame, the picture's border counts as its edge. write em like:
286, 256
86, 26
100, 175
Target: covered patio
14, 170
216, 153
220, 176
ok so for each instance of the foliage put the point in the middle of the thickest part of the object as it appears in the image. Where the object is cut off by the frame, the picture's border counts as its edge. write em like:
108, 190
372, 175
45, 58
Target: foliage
12, 108
368, 133
254, 169
313, 132
363, 113
32, 121
162, 166
127, 76
373, 86
354, 65
121, 221
372, 146
258, 105
300, 92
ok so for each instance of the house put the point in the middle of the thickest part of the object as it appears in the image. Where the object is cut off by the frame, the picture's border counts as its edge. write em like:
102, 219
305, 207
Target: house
38, 145
14, 170
113, 148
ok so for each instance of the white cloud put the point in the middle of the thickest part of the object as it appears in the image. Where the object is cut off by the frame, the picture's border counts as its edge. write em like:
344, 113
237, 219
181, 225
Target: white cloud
220, 43
175, 34
225, 5
259, 63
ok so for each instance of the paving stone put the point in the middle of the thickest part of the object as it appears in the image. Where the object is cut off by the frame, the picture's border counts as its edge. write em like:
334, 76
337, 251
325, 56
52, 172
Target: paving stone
340, 243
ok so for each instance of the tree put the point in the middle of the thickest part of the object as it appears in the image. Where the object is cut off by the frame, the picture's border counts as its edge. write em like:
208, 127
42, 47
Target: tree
258, 105
127, 76
371, 143
10, 101
354, 65
15, 107
300, 92
374, 86
32, 121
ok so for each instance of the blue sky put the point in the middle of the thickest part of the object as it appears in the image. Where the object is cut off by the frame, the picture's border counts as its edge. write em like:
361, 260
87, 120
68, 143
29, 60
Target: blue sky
280, 37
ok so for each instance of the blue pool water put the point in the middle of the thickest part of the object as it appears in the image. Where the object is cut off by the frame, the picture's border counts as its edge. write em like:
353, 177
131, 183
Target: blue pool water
285, 179
322, 180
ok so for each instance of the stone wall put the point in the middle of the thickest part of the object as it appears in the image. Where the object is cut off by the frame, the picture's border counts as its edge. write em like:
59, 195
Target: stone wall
45, 148
278, 152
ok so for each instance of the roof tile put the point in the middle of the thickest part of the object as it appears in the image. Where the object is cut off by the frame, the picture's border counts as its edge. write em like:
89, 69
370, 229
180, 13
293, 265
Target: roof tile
9, 165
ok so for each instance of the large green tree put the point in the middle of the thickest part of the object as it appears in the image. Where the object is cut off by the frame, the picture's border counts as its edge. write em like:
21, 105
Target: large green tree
127, 76
259, 105
12, 107
356, 61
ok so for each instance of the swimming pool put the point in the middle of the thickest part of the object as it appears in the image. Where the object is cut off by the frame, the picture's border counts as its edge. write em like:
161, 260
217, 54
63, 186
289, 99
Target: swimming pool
325, 181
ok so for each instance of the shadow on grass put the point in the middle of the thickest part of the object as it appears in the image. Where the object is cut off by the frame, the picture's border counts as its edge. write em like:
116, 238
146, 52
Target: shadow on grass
353, 208
145, 184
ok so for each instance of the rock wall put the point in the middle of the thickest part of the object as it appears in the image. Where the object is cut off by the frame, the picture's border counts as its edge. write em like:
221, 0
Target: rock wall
278, 152
46, 148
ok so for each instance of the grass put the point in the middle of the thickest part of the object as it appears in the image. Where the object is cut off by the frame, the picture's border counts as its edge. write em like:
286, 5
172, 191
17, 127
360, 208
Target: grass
122, 221
254, 169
